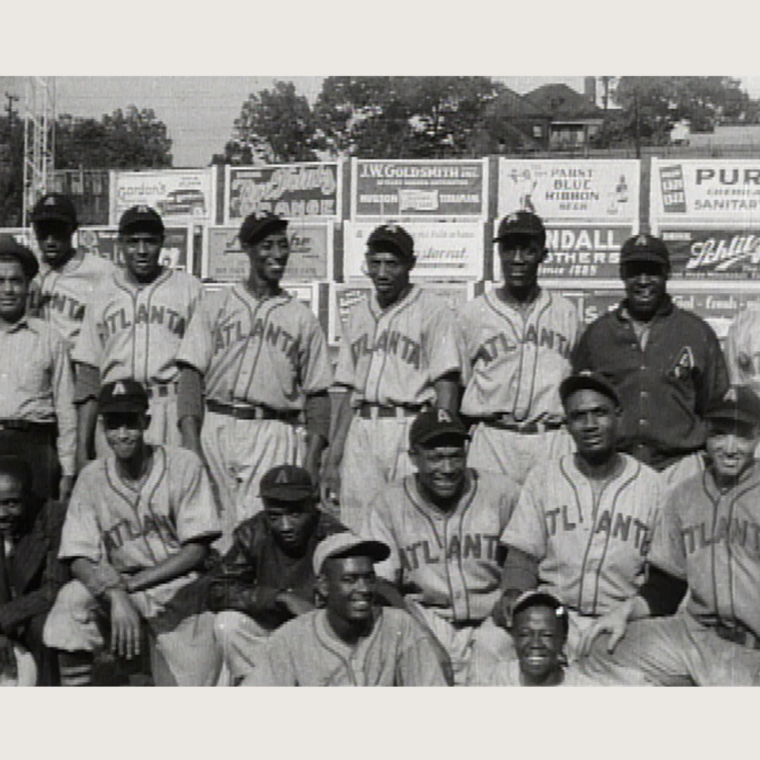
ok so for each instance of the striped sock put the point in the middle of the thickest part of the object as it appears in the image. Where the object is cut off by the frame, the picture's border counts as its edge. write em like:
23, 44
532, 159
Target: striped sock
75, 668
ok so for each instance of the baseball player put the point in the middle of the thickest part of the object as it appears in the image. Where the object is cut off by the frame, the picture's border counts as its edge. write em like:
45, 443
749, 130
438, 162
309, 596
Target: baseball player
706, 542
349, 642
261, 357
137, 529
133, 329
37, 413
398, 354
518, 341
267, 576
68, 279
442, 525
665, 363
583, 524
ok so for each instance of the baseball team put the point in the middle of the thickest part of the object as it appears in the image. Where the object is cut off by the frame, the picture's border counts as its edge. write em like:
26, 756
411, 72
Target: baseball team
191, 493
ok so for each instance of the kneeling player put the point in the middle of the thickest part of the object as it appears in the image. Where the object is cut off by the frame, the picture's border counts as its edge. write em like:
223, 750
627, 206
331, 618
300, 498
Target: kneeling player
137, 528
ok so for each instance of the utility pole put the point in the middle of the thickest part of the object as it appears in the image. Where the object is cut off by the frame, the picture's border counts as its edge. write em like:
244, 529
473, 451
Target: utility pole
38, 156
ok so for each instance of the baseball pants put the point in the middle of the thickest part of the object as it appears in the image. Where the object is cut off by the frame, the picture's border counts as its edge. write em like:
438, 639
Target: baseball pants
240, 639
514, 454
183, 651
238, 454
376, 452
674, 651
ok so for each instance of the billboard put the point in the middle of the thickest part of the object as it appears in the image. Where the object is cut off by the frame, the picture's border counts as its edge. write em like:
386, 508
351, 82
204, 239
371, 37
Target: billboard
291, 190
445, 250
311, 253
567, 190
103, 241
721, 192
714, 253
401, 188
181, 196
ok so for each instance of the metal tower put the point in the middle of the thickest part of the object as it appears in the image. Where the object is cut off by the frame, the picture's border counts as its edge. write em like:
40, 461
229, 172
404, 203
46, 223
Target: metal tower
39, 125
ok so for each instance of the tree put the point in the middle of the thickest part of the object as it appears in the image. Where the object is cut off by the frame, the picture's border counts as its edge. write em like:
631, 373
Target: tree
11, 170
402, 117
274, 126
134, 139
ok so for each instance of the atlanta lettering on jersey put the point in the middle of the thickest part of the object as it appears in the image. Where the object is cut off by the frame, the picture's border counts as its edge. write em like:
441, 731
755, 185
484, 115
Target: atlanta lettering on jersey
65, 305
124, 531
471, 545
559, 519
744, 533
391, 342
156, 315
501, 344
275, 335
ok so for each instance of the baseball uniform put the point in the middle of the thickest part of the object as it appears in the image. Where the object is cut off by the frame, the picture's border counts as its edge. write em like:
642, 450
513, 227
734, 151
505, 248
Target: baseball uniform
710, 538
591, 551
62, 294
306, 652
134, 331
515, 361
389, 359
447, 565
508, 674
260, 358
130, 530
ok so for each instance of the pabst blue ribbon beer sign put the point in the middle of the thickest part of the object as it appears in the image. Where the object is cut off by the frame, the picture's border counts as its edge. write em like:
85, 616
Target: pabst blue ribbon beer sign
717, 254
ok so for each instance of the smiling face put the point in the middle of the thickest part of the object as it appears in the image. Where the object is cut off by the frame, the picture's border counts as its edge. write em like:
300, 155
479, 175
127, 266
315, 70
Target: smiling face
124, 433
645, 287
730, 447
441, 468
539, 639
592, 421
348, 585
54, 240
269, 257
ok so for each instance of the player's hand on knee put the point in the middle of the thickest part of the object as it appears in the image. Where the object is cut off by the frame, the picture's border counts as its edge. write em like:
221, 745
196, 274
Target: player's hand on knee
329, 484
125, 626
614, 623
502, 610
8, 665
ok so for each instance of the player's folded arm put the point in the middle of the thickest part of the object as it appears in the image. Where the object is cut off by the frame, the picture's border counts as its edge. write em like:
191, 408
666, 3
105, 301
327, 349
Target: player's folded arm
189, 393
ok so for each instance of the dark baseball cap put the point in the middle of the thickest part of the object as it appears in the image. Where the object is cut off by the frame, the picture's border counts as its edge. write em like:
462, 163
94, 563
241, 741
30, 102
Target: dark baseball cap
286, 482
738, 403
587, 380
521, 223
9, 246
143, 218
55, 207
258, 225
536, 598
645, 247
436, 423
391, 238
122, 396
348, 544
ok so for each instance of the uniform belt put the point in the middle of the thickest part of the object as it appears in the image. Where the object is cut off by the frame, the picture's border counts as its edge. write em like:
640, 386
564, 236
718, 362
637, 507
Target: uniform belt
27, 426
257, 412
161, 390
374, 411
524, 428
737, 634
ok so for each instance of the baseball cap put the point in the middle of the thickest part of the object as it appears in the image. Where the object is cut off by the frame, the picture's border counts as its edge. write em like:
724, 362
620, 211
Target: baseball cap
258, 225
347, 544
521, 223
122, 396
738, 403
587, 380
141, 218
55, 207
286, 482
536, 598
435, 423
392, 238
645, 247
9, 246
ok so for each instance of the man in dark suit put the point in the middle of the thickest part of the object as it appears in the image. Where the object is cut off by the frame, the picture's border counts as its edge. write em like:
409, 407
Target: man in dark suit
30, 576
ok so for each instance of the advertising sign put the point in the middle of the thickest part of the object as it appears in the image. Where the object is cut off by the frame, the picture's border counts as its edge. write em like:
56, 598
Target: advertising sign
591, 251
706, 190
444, 250
565, 190
717, 254
399, 188
180, 195
289, 190
311, 253
103, 241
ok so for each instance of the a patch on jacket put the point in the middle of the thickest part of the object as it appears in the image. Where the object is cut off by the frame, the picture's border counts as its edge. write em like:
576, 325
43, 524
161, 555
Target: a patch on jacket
684, 364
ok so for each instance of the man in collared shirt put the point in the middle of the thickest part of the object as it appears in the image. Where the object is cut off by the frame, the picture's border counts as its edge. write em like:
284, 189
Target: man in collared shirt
37, 415
664, 362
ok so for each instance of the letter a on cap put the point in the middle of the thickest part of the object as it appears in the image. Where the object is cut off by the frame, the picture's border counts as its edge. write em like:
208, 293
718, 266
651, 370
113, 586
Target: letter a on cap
50, 201
443, 416
118, 390
731, 395
282, 477
642, 240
